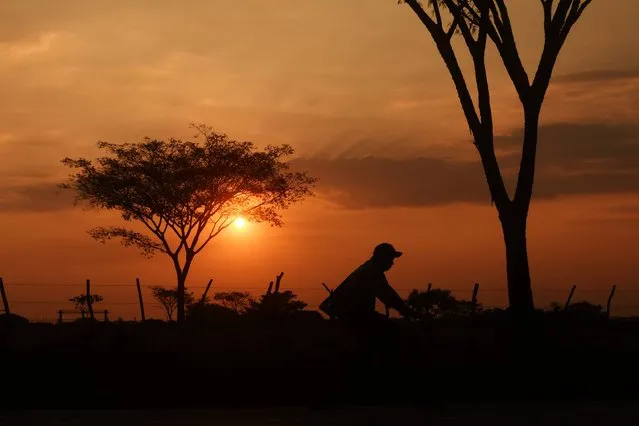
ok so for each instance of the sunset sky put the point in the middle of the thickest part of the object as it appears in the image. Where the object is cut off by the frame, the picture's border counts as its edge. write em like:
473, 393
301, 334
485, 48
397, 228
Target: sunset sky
358, 89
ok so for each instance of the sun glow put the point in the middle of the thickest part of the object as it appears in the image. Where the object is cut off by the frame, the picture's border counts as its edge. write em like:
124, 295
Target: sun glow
240, 223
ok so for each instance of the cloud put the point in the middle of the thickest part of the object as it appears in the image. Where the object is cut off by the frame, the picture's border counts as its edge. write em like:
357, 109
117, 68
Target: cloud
596, 76
573, 159
589, 147
368, 182
34, 198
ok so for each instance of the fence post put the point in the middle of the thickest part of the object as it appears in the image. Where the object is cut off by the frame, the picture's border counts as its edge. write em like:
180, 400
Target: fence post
5, 302
609, 304
137, 283
474, 299
206, 290
89, 301
330, 291
270, 288
572, 291
60, 316
429, 287
277, 282
106, 316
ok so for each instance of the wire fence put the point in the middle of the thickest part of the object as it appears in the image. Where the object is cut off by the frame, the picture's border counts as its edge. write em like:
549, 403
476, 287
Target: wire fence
28, 301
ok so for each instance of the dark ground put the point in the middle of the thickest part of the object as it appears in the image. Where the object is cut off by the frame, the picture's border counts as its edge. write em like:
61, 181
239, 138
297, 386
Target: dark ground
458, 369
582, 414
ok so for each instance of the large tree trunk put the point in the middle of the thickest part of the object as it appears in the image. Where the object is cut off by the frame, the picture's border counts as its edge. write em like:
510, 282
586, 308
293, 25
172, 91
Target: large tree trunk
520, 298
514, 218
513, 214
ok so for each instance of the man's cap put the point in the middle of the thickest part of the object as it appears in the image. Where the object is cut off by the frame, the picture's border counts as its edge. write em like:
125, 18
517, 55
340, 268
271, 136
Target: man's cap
386, 250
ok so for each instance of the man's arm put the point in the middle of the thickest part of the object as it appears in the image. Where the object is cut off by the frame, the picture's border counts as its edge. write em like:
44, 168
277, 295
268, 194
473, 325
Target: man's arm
391, 298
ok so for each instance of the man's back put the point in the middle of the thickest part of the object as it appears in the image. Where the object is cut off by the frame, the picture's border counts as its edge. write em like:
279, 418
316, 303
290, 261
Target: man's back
355, 296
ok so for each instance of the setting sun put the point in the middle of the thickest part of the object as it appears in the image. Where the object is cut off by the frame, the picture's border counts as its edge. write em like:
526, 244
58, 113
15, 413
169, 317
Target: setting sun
240, 223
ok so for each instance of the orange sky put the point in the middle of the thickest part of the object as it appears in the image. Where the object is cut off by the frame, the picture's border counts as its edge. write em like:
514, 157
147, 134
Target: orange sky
358, 90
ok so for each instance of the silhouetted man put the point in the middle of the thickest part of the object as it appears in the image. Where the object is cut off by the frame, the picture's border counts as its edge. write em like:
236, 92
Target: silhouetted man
353, 301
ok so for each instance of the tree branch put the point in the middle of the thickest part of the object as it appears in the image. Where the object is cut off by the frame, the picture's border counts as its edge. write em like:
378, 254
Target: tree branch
225, 224
504, 40
128, 238
438, 14
451, 31
547, 7
459, 16
485, 144
443, 43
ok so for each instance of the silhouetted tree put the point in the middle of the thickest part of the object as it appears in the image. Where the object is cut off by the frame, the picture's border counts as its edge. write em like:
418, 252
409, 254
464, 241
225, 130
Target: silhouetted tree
580, 311
277, 304
555, 307
478, 22
183, 194
585, 311
439, 303
81, 302
209, 313
237, 301
168, 299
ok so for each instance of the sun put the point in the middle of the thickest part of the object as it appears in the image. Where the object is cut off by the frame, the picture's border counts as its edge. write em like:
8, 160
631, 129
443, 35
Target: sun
240, 223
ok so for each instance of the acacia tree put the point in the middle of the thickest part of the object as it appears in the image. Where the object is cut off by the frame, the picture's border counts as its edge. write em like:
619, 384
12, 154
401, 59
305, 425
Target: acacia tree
236, 301
182, 194
81, 302
168, 299
480, 22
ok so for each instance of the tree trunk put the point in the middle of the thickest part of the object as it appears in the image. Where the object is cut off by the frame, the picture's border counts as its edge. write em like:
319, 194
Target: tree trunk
520, 297
181, 280
182, 273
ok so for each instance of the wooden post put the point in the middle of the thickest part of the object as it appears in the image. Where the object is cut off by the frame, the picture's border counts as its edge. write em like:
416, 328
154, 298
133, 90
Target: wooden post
609, 304
270, 288
89, 302
60, 316
137, 283
330, 291
474, 299
5, 301
206, 290
429, 288
277, 282
572, 291
106, 316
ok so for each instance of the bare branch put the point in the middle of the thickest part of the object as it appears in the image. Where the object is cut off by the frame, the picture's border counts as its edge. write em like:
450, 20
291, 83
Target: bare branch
504, 40
451, 31
583, 7
561, 13
459, 15
438, 14
443, 43
422, 15
547, 7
